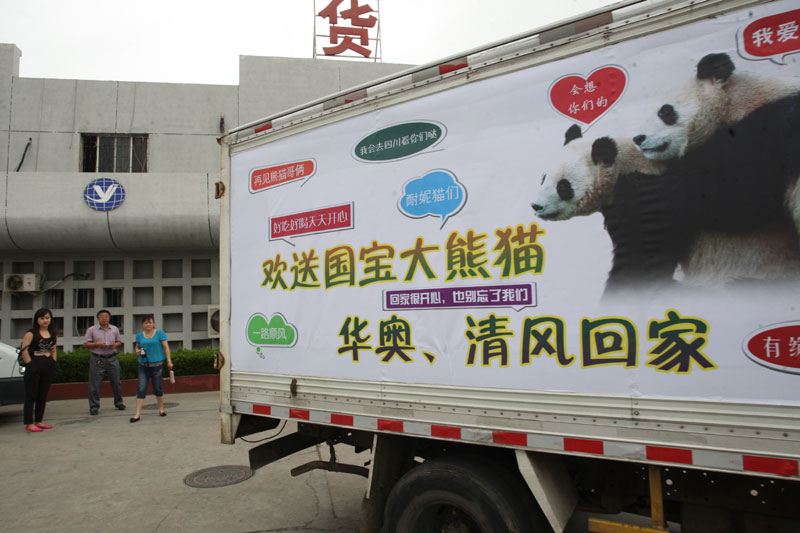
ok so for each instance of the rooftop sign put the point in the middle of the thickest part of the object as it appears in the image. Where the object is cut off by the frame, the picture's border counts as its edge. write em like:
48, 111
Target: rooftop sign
347, 28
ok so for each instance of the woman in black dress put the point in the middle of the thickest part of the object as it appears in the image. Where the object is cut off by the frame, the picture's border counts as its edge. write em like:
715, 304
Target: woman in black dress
39, 354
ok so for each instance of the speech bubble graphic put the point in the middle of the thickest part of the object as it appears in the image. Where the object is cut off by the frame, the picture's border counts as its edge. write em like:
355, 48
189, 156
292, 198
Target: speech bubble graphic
312, 221
773, 37
264, 178
586, 99
399, 141
775, 347
517, 296
438, 193
274, 332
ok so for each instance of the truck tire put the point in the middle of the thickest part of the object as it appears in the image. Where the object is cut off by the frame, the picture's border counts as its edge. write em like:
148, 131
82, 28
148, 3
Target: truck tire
463, 494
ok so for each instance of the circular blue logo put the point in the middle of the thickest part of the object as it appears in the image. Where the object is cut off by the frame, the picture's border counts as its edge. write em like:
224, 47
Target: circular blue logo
104, 194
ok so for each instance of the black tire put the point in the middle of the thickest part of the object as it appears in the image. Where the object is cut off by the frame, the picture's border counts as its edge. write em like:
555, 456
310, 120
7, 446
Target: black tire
462, 494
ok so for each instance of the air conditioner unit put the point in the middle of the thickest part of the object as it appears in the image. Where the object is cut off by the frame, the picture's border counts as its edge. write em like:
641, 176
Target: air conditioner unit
213, 321
22, 282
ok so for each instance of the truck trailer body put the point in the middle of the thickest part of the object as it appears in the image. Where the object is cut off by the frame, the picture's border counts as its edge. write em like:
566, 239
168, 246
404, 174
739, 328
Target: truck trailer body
560, 271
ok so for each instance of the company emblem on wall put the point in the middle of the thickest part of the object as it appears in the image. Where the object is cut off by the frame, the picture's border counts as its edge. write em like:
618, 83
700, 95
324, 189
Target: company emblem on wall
104, 194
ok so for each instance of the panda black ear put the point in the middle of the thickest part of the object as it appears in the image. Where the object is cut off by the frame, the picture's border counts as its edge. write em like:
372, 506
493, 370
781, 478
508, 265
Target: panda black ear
604, 150
574, 132
715, 67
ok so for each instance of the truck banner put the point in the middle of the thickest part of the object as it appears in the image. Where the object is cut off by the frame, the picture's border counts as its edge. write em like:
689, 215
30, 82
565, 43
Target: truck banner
621, 222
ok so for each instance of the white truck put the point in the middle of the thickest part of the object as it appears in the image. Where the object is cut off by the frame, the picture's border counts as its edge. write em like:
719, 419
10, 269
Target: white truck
515, 328
12, 387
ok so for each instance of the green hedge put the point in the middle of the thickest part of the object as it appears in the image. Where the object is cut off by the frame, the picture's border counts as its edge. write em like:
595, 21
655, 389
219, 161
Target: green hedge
73, 367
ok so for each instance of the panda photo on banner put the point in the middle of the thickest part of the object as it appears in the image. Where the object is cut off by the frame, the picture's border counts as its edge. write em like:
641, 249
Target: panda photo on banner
703, 194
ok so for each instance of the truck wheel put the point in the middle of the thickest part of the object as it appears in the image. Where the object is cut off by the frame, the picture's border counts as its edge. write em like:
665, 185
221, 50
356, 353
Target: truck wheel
460, 495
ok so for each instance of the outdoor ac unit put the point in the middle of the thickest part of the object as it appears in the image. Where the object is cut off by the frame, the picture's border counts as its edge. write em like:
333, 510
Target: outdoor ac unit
22, 282
213, 321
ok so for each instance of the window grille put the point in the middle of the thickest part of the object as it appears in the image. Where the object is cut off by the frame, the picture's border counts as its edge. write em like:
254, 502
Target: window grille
114, 153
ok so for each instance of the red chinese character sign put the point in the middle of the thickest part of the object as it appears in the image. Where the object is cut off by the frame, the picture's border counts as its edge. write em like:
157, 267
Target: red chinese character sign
352, 26
771, 37
586, 99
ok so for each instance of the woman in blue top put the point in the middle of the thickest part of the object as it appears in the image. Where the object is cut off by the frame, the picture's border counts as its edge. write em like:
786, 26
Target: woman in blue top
152, 347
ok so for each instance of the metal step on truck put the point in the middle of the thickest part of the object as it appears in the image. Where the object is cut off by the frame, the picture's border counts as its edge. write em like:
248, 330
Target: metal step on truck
557, 272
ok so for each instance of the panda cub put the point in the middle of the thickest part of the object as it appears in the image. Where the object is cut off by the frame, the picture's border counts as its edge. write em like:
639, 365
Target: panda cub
583, 180
608, 175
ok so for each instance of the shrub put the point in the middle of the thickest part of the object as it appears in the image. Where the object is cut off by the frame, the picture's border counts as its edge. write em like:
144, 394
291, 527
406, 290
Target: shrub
73, 367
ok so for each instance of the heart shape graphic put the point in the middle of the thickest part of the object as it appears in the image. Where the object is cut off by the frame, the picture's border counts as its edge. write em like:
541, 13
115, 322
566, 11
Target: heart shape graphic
587, 99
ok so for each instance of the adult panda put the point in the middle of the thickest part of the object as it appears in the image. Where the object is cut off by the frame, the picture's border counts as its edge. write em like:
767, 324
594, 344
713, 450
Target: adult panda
732, 140
652, 227
606, 175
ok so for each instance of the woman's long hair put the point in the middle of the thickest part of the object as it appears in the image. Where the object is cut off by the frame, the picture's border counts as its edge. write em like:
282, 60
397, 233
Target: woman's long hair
51, 327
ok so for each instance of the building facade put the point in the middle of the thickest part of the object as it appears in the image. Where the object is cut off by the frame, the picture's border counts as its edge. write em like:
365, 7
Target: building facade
108, 192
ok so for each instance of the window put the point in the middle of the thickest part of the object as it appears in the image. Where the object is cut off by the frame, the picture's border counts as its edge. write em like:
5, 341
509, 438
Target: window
54, 299
171, 268
58, 323
81, 324
112, 297
119, 321
85, 269
201, 268
143, 270
113, 269
114, 153
142, 296
21, 301
82, 298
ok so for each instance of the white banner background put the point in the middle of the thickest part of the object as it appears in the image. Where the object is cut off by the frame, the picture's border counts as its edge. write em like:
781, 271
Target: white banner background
501, 136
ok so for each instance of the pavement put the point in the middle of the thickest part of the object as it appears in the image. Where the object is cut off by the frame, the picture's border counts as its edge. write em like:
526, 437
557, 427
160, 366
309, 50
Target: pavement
102, 473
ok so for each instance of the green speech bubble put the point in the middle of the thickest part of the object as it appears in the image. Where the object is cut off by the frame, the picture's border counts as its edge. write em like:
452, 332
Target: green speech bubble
274, 332
399, 141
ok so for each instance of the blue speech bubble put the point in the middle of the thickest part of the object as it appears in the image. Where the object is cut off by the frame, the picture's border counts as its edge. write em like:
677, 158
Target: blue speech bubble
438, 193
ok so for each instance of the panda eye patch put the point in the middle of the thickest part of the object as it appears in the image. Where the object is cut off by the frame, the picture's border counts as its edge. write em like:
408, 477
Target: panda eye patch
668, 115
543, 178
564, 190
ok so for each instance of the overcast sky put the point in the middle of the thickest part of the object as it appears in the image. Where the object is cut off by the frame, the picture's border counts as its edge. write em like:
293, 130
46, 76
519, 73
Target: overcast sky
196, 41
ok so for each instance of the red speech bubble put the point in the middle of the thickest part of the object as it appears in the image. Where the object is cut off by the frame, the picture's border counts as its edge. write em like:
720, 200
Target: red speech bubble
776, 346
322, 220
586, 99
265, 178
772, 36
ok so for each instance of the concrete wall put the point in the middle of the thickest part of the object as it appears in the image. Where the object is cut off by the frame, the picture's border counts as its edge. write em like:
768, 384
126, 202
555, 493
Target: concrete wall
175, 211
168, 285
169, 215
182, 121
269, 85
9, 69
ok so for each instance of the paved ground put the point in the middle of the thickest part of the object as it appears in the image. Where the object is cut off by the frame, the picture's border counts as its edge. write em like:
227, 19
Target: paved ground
102, 473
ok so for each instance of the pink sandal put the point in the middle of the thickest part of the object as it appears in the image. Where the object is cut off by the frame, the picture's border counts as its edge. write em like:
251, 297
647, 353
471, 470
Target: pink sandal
44, 426
34, 429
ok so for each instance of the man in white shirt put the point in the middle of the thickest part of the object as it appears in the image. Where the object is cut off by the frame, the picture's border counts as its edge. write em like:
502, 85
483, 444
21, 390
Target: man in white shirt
103, 339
